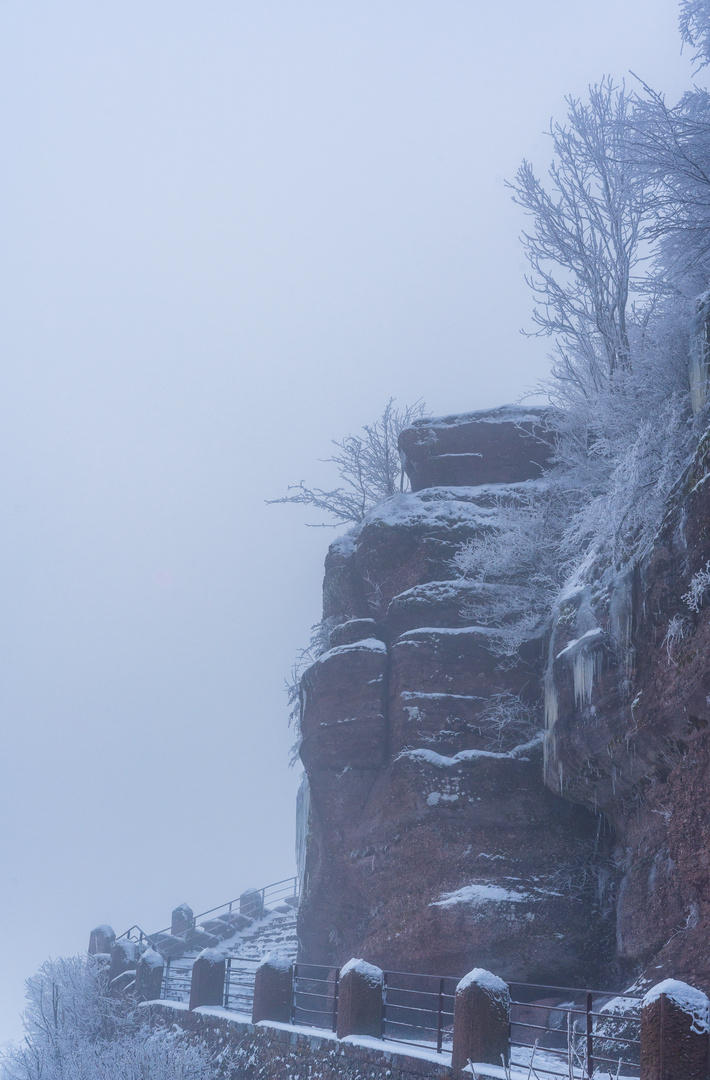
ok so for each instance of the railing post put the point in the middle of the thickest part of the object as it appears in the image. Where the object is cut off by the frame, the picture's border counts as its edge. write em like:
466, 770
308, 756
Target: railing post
384, 1004
101, 940
590, 1036
251, 903
273, 990
181, 920
207, 982
481, 1020
360, 1000
440, 1018
674, 1032
122, 970
149, 975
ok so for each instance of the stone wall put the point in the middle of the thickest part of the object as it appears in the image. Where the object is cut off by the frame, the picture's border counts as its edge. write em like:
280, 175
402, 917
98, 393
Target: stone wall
271, 1051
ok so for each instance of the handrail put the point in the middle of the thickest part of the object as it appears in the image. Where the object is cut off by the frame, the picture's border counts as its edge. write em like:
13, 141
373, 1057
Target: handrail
229, 905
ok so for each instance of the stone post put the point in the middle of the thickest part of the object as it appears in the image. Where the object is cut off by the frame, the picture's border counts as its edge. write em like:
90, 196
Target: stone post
360, 1000
101, 939
149, 976
122, 971
273, 987
251, 903
481, 1020
207, 984
182, 919
674, 1032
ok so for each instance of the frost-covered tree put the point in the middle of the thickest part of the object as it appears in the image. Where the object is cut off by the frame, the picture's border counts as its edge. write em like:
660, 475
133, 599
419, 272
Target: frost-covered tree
368, 465
695, 28
75, 1031
588, 222
620, 324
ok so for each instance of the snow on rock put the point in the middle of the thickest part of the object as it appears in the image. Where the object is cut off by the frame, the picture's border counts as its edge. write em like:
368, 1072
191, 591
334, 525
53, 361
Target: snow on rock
481, 894
485, 979
412, 511
502, 414
447, 631
278, 960
687, 998
346, 544
152, 959
366, 645
440, 761
212, 956
373, 975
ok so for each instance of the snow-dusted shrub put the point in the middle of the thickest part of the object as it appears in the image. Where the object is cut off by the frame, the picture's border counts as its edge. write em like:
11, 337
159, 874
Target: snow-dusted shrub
75, 1031
520, 556
318, 643
698, 588
508, 720
678, 630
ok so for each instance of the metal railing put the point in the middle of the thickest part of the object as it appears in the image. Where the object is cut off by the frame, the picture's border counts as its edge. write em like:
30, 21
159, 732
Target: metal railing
559, 1028
314, 996
177, 978
286, 889
239, 983
418, 1009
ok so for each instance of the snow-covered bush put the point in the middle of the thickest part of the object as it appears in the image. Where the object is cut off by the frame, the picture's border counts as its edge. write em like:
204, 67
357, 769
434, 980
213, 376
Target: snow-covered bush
520, 557
75, 1031
678, 630
698, 589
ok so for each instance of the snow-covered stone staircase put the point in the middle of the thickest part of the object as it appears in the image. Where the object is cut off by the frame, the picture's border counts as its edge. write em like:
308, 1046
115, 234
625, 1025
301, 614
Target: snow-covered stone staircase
273, 931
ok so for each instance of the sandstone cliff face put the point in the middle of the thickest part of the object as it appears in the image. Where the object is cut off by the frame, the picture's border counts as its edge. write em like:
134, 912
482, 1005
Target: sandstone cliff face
628, 732
433, 843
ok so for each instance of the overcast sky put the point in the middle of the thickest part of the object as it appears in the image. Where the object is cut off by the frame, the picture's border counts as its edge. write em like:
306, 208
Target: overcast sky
231, 229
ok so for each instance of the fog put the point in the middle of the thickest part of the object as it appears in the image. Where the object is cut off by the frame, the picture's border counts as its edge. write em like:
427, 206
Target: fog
230, 232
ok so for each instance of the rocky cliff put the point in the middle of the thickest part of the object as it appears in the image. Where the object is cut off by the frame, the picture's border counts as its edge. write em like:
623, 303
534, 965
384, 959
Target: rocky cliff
628, 733
433, 841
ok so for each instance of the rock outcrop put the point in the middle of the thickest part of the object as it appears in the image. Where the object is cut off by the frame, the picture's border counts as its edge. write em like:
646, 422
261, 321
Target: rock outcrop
433, 843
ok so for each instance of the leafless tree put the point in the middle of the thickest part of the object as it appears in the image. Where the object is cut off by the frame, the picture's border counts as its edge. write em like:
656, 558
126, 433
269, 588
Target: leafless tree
369, 466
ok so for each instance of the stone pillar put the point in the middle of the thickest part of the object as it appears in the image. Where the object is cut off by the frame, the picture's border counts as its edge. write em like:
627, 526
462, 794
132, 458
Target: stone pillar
101, 939
481, 1020
149, 976
182, 919
251, 903
273, 987
674, 1032
360, 1000
122, 972
207, 985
